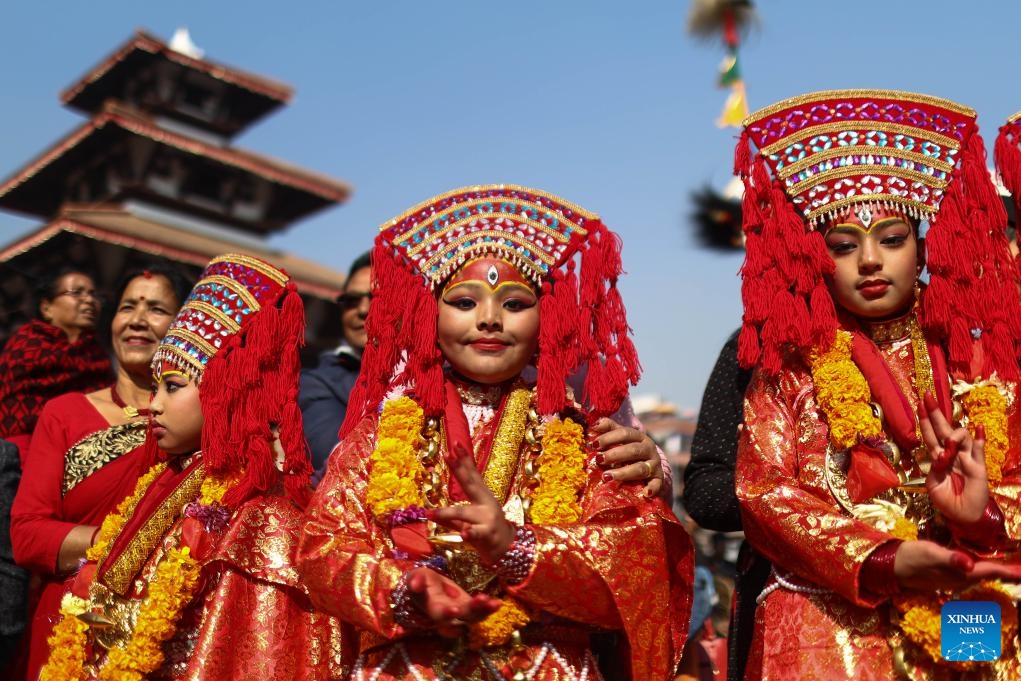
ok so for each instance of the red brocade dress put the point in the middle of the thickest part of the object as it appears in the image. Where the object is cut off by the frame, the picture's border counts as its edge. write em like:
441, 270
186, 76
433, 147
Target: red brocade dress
815, 620
77, 470
251, 617
625, 566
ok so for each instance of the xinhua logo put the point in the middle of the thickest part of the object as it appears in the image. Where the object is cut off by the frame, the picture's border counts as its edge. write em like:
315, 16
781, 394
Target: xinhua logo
970, 631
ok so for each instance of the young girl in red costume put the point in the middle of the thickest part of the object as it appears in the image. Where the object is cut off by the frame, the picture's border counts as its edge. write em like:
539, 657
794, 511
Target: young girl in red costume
192, 577
463, 525
875, 469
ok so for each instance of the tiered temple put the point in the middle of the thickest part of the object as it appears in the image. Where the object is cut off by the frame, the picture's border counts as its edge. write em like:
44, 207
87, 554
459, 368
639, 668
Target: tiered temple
152, 174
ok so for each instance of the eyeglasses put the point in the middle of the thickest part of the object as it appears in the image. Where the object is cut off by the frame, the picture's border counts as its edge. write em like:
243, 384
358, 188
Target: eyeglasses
81, 293
349, 301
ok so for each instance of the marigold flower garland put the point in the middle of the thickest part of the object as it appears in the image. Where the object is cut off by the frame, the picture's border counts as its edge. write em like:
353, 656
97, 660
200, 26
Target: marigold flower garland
173, 586
986, 403
843, 394
396, 476
563, 474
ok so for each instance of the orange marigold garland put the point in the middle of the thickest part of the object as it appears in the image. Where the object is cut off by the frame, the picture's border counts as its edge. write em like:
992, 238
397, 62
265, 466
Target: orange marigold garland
563, 474
173, 586
986, 404
396, 476
68, 640
499, 627
556, 501
395, 479
67, 643
843, 394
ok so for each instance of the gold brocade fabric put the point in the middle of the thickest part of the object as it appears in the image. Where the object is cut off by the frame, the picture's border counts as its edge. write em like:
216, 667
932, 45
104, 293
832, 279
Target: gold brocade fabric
100, 448
627, 566
826, 627
253, 618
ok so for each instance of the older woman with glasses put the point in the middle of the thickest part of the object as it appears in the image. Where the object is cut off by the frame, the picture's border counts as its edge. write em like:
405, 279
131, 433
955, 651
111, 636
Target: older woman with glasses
51, 355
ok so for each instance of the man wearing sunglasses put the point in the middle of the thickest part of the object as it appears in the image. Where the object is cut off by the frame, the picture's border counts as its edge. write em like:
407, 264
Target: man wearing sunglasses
325, 389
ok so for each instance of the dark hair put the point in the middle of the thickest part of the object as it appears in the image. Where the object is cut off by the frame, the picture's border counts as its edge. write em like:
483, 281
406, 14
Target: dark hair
46, 289
179, 283
360, 263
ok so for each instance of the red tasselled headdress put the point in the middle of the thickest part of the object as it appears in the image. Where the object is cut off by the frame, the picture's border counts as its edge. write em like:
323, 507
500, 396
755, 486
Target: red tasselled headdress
582, 317
1008, 166
822, 154
238, 337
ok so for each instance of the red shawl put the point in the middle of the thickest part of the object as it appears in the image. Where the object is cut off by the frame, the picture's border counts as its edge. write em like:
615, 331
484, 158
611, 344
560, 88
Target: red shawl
39, 363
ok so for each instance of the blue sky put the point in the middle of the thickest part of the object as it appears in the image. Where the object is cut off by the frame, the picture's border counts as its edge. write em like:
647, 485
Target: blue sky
607, 103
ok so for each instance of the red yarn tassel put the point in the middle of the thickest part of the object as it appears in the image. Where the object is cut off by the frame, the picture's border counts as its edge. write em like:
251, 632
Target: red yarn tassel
1008, 162
748, 350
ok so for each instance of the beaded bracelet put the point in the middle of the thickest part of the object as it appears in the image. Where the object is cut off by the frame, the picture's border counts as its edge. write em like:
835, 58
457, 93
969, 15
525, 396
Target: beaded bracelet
405, 613
514, 566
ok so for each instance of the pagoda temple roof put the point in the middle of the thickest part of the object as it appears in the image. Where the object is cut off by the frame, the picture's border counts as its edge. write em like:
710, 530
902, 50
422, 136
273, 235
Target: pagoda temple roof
41, 187
129, 71
119, 227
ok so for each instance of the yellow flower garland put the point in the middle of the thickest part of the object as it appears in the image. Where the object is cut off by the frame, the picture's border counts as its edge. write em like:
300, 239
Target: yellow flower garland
112, 524
843, 393
172, 588
563, 474
396, 476
498, 627
555, 501
986, 404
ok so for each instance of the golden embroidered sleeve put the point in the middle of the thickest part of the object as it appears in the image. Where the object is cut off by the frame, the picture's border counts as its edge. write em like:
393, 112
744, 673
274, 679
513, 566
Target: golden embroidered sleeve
257, 621
628, 565
788, 510
343, 557
1007, 492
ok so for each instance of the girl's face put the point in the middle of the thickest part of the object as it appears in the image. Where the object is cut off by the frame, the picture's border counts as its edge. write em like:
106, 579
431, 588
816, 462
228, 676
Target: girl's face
142, 318
488, 325
877, 264
176, 414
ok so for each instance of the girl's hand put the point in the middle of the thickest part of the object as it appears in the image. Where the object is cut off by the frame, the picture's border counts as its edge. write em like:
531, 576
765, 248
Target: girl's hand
627, 454
446, 604
957, 482
927, 566
481, 522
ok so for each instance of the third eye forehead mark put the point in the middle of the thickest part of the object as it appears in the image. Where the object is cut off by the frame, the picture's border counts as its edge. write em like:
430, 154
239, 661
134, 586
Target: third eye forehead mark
476, 286
853, 227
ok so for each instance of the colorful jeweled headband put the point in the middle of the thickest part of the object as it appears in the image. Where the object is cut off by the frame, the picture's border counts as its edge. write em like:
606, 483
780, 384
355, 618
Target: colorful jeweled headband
231, 289
838, 148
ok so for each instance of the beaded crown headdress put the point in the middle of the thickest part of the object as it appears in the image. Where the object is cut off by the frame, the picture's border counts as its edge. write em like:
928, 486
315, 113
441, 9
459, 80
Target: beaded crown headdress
582, 318
822, 155
238, 336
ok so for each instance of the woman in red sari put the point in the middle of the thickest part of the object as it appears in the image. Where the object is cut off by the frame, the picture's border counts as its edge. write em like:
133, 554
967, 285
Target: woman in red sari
876, 469
463, 524
86, 451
